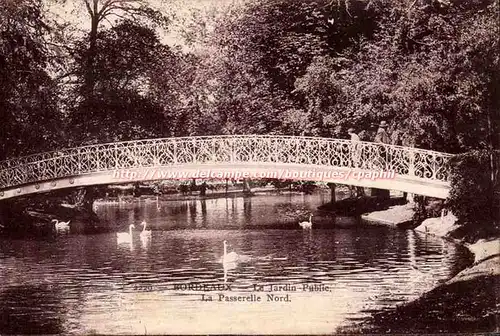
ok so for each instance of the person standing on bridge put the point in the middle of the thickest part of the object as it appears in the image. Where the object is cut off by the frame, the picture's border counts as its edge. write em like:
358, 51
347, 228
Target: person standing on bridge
396, 136
382, 136
355, 150
353, 135
355, 147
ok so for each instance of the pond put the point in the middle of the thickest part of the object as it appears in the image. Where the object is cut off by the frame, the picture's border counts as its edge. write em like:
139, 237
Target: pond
290, 280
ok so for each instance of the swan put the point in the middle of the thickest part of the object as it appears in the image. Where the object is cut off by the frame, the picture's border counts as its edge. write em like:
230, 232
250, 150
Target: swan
231, 257
61, 226
307, 225
145, 233
125, 237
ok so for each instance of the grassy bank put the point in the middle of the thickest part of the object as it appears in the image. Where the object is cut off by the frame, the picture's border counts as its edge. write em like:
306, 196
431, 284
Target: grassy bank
460, 307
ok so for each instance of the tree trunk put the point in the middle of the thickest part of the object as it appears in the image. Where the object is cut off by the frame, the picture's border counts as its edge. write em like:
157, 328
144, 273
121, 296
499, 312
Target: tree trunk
492, 146
91, 54
87, 199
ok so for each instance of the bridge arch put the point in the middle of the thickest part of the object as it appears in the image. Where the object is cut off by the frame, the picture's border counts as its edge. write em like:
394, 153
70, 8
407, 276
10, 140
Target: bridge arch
415, 170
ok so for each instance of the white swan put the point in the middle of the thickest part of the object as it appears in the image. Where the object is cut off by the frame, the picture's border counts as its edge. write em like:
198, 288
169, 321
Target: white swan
125, 237
61, 226
307, 225
231, 257
145, 233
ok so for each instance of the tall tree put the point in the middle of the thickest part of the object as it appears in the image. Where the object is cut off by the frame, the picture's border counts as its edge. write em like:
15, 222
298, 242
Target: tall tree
120, 107
100, 11
29, 117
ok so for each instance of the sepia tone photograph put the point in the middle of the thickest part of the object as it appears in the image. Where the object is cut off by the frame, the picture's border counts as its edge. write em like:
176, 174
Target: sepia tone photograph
258, 167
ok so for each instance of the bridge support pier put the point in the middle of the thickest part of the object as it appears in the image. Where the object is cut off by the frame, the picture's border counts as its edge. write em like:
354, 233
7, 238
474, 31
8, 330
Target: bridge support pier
4, 213
381, 193
246, 187
333, 197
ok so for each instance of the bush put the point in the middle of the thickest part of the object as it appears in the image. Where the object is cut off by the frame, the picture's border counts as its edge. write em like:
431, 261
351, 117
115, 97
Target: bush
474, 196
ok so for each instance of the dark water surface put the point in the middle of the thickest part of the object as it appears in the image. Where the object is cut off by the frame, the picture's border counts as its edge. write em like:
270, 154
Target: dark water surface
83, 284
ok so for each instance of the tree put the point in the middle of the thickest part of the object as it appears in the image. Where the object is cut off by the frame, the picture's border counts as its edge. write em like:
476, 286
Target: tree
111, 23
104, 10
474, 197
236, 98
324, 97
120, 107
258, 51
28, 98
172, 85
422, 69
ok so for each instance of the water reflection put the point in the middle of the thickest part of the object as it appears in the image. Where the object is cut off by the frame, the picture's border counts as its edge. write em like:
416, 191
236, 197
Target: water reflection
228, 267
145, 241
240, 212
77, 283
30, 309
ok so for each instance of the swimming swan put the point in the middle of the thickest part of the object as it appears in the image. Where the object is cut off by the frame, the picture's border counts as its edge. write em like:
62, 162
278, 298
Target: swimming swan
61, 226
231, 257
307, 225
125, 237
145, 233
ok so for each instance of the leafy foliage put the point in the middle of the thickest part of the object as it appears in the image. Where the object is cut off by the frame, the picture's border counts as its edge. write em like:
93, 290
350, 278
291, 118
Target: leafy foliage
475, 193
423, 70
119, 107
28, 94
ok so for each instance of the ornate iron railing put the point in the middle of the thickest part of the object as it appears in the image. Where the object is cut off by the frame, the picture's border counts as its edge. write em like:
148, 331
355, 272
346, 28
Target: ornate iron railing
234, 149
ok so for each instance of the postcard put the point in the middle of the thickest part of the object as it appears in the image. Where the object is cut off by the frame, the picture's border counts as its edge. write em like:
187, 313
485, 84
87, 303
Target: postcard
260, 167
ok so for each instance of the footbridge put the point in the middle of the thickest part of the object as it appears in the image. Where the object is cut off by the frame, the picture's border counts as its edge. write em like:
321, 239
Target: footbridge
340, 161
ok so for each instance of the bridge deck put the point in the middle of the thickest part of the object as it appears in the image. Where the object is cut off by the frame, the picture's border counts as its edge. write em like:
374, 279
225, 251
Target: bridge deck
418, 171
